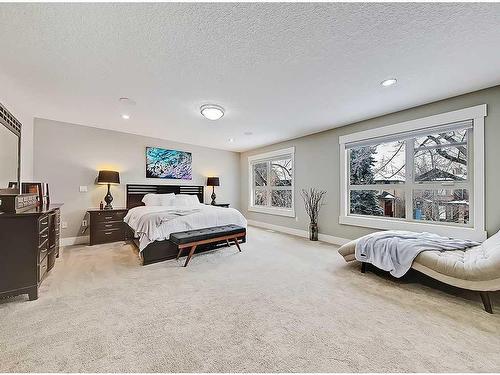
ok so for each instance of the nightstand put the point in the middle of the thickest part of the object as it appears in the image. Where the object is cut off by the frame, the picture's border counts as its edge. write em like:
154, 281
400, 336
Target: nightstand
218, 204
107, 225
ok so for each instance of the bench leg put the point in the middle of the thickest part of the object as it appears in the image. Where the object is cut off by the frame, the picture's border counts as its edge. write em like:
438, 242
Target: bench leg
191, 252
237, 244
228, 244
363, 267
485, 297
179, 253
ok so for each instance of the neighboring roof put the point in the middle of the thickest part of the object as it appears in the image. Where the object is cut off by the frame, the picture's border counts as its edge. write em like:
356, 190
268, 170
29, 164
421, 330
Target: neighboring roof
386, 195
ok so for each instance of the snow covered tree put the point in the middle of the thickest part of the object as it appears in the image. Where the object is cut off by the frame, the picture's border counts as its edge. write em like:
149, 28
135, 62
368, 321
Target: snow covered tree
363, 201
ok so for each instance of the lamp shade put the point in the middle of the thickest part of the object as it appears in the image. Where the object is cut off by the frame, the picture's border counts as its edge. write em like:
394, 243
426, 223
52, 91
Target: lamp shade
108, 177
213, 181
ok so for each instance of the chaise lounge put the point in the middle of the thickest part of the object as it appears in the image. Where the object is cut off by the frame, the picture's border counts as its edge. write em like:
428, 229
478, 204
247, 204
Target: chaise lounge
476, 268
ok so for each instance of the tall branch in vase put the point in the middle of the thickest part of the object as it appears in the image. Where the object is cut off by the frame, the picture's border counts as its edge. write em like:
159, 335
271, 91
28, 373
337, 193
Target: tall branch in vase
313, 200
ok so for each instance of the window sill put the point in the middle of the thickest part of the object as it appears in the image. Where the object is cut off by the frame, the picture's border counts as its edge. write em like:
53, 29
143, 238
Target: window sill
468, 233
272, 211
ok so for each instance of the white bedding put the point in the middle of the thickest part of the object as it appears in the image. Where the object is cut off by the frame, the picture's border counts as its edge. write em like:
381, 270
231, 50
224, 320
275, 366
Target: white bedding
156, 223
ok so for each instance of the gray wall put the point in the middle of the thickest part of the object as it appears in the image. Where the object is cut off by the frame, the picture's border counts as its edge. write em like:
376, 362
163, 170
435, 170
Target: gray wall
317, 164
68, 156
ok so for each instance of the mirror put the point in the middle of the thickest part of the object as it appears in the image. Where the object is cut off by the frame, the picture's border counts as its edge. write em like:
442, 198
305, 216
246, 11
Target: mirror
9, 156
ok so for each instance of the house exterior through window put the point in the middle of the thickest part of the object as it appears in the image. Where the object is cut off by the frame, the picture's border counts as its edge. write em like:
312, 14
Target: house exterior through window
426, 174
271, 177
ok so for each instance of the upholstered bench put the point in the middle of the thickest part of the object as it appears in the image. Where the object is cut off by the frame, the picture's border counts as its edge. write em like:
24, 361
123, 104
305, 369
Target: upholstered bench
192, 238
476, 268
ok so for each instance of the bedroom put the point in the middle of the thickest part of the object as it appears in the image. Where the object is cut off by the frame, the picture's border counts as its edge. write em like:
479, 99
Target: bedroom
254, 103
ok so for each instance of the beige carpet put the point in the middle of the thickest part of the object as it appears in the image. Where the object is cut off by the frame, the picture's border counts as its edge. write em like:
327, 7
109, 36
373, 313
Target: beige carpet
283, 304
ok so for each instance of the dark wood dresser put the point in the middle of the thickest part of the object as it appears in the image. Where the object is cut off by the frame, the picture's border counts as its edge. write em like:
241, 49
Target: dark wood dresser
107, 225
29, 246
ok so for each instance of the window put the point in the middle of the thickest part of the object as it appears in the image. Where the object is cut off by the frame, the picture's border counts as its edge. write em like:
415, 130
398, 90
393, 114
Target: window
424, 174
271, 178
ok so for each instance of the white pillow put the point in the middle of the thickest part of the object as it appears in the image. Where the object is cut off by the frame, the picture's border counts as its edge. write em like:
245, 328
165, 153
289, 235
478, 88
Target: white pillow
193, 200
166, 199
151, 199
185, 200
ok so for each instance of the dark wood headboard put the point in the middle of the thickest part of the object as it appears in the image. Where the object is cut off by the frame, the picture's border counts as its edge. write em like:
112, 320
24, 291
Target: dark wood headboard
135, 193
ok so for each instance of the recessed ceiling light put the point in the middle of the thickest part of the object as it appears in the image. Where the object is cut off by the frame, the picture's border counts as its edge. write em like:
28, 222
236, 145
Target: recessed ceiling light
389, 82
230, 140
125, 117
212, 111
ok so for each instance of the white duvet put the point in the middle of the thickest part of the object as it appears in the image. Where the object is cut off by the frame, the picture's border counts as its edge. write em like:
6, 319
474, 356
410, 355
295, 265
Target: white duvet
156, 223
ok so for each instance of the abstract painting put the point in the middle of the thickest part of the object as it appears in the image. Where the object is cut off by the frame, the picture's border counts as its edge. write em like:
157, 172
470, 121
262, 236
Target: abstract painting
162, 163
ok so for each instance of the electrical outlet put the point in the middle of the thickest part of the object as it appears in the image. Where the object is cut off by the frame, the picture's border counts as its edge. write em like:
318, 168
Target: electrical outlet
64, 224
84, 223
83, 189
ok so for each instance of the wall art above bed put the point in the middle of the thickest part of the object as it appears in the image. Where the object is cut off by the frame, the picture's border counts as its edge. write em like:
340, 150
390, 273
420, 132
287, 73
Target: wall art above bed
171, 164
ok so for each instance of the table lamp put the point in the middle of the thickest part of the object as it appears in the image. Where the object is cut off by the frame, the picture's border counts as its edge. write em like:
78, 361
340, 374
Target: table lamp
108, 177
213, 181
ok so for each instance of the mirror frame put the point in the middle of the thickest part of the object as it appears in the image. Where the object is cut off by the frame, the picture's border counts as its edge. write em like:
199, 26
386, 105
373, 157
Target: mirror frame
11, 123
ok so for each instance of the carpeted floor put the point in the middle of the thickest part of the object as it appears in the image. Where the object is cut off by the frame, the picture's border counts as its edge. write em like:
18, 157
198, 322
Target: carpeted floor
283, 304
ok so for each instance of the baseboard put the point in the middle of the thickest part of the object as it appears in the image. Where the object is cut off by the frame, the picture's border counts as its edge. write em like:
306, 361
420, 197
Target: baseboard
69, 241
299, 232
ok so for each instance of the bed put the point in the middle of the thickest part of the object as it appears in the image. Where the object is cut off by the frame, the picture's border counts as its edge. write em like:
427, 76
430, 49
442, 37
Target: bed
155, 246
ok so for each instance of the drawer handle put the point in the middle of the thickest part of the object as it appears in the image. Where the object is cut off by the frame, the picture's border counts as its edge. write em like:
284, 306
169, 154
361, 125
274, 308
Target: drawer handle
108, 225
44, 222
108, 233
108, 217
44, 235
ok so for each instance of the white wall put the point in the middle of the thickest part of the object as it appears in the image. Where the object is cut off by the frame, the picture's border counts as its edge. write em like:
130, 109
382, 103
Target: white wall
68, 156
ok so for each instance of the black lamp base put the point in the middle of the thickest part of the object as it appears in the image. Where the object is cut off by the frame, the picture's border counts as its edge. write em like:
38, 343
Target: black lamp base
108, 199
213, 196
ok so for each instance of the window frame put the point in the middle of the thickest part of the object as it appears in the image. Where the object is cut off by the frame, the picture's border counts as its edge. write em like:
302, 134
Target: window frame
265, 158
475, 229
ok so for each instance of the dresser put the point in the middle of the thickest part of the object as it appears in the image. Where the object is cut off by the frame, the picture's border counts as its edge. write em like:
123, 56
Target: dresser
107, 225
29, 246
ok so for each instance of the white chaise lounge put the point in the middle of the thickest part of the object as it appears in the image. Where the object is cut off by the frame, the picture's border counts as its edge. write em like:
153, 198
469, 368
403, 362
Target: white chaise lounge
477, 268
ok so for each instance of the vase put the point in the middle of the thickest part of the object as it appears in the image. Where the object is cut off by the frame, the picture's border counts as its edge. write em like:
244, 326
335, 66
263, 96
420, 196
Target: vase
313, 231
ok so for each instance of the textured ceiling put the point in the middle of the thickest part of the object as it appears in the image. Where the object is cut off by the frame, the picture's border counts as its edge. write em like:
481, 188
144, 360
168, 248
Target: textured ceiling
280, 70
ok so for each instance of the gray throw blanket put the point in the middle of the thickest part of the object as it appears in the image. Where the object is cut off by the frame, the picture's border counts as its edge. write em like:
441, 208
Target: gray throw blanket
394, 251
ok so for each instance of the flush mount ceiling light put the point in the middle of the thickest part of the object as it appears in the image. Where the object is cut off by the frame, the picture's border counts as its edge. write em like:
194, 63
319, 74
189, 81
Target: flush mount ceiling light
212, 111
389, 82
126, 101
125, 116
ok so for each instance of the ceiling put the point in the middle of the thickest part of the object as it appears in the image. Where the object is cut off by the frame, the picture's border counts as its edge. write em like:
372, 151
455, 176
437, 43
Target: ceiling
279, 70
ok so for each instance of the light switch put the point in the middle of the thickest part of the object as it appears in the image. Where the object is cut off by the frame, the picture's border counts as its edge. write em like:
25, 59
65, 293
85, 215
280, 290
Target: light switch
83, 189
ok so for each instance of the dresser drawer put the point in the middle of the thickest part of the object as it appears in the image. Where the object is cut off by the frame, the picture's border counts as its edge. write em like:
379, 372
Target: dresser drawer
43, 236
43, 251
111, 235
51, 259
104, 216
43, 223
109, 225
42, 269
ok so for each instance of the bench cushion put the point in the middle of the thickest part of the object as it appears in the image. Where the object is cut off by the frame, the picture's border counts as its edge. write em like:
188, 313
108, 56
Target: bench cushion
202, 234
